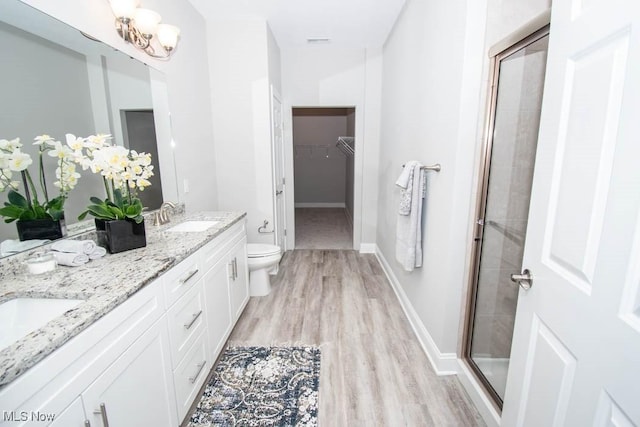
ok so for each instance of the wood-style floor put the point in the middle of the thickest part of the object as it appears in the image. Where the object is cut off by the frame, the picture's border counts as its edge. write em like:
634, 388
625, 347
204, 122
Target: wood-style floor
373, 370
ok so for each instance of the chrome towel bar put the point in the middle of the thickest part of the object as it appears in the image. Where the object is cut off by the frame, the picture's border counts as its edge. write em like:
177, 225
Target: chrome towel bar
435, 168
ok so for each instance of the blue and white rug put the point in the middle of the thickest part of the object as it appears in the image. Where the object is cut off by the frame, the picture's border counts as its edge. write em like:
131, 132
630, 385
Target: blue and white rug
262, 386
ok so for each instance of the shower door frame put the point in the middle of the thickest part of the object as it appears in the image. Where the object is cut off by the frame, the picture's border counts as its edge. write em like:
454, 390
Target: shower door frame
530, 33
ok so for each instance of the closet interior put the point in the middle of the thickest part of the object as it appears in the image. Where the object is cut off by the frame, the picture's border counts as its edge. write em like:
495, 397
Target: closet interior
324, 150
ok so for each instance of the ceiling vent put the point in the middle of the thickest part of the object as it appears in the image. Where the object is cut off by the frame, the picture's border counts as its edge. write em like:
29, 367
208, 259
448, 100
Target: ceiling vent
318, 40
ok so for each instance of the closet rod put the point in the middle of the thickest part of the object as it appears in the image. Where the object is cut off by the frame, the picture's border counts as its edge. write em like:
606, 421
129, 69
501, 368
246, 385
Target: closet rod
435, 168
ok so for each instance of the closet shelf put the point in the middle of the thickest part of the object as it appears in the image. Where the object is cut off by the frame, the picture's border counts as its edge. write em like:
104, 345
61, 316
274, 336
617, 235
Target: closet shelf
346, 144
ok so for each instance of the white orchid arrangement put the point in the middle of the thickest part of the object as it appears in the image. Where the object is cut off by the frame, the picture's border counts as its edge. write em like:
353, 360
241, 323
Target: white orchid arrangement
31, 205
123, 171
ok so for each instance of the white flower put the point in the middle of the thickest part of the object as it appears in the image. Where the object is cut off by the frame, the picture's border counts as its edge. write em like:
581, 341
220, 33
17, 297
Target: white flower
60, 151
43, 140
75, 143
19, 161
97, 141
10, 146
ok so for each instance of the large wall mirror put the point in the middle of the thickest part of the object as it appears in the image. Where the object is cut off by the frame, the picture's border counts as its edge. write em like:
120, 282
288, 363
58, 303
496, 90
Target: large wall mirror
54, 80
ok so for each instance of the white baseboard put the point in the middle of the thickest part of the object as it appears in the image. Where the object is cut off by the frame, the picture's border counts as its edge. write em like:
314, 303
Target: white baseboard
479, 398
368, 248
320, 205
443, 363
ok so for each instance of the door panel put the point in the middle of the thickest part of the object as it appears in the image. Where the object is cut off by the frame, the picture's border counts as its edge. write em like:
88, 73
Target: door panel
502, 218
278, 170
583, 238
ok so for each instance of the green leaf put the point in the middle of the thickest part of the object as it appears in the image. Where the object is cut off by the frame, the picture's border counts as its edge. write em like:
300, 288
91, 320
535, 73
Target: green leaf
100, 212
28, 215
96, 201
83, 215
117, 197
11, 212
117, 212
17, 199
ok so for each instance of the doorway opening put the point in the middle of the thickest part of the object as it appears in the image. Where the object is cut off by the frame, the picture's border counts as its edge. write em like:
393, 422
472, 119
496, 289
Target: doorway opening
324, 151
501, 216
139, 134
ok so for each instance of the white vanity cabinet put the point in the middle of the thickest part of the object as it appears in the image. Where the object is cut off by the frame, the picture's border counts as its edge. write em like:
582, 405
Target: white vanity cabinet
137, 389
226, 286
144, 362
238, 284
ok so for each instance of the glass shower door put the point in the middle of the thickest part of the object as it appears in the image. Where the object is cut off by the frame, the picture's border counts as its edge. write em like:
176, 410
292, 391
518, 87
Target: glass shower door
502, 214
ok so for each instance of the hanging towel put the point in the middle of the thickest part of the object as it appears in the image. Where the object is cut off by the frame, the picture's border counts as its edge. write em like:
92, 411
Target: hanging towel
71, 259
409, 227
405, 181
74, 246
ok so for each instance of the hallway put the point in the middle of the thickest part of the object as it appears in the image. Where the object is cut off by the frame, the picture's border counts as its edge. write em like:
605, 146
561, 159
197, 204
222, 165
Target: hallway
374, 372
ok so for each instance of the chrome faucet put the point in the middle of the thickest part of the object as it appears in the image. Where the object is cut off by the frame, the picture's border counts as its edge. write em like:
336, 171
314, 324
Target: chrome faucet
161, 216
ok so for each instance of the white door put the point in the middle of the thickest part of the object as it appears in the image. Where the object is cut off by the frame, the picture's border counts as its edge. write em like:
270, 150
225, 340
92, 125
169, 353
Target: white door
277, 126
575, 358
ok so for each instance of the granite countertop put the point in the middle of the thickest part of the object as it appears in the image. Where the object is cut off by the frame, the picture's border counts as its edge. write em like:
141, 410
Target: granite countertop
103, 284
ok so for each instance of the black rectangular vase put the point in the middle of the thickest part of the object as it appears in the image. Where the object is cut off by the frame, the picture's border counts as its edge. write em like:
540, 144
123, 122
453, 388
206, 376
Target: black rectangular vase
120, 235
41, 229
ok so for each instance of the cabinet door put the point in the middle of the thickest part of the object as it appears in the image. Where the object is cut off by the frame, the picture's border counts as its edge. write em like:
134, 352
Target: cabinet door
72, 416
216, 292
238, 285
137, 389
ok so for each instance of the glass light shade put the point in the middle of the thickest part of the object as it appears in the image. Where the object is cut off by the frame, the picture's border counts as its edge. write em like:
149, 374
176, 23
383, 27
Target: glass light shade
168, 36
146, 21
124, 8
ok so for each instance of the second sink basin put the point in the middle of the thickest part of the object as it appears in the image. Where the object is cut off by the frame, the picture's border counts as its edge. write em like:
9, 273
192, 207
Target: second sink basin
21, 316
192, 226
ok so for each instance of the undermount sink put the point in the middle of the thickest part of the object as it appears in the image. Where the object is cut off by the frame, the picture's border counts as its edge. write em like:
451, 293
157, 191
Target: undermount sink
192, 226
21, 316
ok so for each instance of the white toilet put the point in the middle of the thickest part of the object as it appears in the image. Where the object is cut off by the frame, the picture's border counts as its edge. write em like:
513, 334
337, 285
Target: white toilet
262, 258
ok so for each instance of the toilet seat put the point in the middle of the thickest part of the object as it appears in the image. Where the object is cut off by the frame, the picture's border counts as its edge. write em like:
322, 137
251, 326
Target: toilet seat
260, 250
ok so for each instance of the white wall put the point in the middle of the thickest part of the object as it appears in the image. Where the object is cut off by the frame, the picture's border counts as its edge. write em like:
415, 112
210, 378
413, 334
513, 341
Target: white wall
186, 75
433, 110
241, 75
323, 76
430, 96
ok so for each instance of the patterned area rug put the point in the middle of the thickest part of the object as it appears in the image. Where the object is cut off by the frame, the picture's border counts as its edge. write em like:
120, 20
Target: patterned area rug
262, 386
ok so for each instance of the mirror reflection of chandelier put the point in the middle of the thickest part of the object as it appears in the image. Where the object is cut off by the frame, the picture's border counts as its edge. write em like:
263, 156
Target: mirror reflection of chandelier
140, 27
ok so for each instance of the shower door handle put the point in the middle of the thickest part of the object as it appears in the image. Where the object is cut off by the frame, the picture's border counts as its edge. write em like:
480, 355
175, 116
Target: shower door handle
525, 279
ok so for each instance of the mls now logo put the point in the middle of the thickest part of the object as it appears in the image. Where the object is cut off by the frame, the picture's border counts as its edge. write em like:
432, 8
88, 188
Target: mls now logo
27, 416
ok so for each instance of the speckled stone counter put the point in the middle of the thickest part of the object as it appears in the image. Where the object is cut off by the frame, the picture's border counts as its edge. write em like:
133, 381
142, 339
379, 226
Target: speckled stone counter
103, 284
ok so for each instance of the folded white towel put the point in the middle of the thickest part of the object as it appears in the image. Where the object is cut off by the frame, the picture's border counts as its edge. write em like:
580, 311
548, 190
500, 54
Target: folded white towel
74, 246
405, 181
9, 246
70, 259
98, 252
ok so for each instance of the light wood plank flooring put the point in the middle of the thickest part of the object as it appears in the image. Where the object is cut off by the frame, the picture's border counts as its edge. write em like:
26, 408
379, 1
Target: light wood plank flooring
373, 370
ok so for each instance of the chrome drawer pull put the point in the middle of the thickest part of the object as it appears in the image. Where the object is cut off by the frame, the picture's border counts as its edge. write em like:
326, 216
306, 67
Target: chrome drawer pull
103, 413
189, 276
230, 270
195, 317
235, 268
200, 366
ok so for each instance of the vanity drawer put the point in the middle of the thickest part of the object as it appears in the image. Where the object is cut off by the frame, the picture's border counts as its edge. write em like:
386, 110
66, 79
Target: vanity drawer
182, 277
212, 251
189, 376
186, 320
